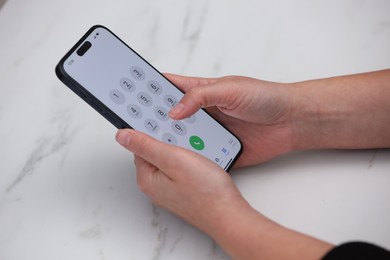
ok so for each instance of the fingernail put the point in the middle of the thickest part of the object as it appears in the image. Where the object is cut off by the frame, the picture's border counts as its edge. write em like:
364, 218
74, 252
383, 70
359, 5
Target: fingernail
123, 137
176, 110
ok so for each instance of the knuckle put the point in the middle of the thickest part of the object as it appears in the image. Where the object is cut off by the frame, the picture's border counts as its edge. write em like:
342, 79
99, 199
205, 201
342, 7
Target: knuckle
142, 145
197, 97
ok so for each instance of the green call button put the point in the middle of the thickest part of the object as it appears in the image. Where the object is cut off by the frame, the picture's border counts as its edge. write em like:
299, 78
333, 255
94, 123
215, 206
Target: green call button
196, 142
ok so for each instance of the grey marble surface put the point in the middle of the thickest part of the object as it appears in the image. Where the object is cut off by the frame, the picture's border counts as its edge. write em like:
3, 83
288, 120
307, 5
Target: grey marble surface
68, 191
2, 3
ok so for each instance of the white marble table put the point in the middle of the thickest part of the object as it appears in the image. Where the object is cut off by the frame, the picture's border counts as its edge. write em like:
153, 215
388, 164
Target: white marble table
68, 190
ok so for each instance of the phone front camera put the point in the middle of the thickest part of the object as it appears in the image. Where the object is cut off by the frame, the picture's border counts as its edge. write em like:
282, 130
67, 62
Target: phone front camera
84, 48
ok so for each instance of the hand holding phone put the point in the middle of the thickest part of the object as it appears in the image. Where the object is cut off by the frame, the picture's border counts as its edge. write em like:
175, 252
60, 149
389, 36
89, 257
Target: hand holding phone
131, 93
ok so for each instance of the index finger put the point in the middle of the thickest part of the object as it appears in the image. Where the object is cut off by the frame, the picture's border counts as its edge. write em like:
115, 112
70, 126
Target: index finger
185, 83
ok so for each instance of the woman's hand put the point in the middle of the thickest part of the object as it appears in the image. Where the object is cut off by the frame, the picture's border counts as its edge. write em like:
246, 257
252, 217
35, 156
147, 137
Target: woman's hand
200, 192
273, 118
182, 181
258, 112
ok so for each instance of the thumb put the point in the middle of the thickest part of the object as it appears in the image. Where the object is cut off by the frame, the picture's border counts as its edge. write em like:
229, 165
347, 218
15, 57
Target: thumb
151, 150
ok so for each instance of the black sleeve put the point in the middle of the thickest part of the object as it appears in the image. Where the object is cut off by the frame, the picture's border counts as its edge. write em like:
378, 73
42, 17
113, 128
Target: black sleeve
357, 251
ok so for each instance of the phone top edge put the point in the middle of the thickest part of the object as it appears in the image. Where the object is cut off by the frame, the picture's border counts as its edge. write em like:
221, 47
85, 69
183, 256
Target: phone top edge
80, 41
80, 91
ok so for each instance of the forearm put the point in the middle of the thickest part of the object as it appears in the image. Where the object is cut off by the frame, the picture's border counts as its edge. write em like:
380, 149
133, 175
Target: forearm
342, 112
246, 234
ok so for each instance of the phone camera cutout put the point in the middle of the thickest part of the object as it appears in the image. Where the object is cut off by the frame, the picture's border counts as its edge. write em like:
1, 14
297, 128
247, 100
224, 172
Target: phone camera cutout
84, 48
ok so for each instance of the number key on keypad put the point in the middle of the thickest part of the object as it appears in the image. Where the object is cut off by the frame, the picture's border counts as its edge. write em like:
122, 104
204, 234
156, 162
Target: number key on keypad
144, 99
134, 111
170, 100
151, 125
169, 139
117, 96
127, 84
161, 113
154, 87
137, 73
178, 127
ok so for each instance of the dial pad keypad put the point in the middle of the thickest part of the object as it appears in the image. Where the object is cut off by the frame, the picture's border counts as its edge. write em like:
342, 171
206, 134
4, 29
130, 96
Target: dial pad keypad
144, 98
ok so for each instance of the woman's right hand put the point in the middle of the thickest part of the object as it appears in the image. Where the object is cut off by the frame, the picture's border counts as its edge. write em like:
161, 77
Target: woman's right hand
347, 112
258, 112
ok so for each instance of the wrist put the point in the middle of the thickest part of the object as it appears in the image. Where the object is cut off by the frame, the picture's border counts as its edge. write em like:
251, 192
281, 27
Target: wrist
306, 117
236, 230
244, 233
347, 112
320, 117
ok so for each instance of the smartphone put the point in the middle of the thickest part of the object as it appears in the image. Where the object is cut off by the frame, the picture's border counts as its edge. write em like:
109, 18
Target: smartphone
130, 93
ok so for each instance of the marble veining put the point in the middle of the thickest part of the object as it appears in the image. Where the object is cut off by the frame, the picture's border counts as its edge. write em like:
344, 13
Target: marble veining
371, 163
162, 232
191, 32
46, 146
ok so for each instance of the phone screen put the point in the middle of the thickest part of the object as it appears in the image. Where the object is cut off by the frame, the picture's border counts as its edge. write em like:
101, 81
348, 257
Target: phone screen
122, 84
